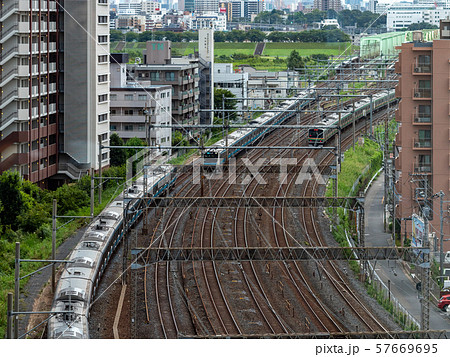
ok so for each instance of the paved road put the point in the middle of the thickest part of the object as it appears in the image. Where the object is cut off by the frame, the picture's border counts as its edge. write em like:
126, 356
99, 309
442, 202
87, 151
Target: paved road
402, 285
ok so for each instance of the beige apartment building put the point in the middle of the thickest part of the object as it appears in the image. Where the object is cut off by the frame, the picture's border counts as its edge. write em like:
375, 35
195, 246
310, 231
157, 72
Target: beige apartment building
422, 160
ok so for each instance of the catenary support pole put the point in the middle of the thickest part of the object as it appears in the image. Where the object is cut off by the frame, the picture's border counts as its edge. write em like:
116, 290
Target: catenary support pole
54, 214
92, 192
9, 322
16, 290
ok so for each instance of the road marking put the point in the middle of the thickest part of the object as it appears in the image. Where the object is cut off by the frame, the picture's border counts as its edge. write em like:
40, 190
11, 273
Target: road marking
382, 200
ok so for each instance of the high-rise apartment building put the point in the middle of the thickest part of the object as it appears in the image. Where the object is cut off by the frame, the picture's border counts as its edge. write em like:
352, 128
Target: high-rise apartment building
206, 5
325, 5
54, 87
422, 160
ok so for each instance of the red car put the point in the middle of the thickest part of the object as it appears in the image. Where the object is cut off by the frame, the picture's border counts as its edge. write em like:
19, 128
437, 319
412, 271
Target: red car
444, 302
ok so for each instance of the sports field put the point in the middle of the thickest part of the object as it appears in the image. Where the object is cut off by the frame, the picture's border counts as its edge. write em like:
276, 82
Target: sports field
272, 49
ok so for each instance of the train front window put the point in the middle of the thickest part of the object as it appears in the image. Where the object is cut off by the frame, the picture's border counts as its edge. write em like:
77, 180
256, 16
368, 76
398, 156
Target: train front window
315, 133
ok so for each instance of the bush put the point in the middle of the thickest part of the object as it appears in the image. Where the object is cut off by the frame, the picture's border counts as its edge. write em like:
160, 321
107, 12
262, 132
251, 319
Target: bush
70, 197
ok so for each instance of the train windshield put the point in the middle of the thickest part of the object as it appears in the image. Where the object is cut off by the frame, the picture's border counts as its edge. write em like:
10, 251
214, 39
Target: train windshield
315, 133
210, 154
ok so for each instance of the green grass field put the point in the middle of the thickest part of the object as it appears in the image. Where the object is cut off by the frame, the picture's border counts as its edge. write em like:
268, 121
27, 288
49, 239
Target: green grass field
283, 49
272, 49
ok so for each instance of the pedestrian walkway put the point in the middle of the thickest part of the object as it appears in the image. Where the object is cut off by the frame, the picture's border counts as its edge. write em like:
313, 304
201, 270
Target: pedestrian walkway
391, 272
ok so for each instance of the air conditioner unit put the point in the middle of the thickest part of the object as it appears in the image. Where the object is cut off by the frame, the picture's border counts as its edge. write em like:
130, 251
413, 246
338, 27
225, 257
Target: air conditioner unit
417, 70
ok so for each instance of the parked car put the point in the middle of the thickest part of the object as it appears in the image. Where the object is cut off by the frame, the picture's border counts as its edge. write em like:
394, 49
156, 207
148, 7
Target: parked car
444, 302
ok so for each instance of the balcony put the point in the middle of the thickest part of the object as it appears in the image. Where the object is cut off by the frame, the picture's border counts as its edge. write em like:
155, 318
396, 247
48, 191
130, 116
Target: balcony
420, 93
419, 168
422, 69
421, 118
7, 33
422, 144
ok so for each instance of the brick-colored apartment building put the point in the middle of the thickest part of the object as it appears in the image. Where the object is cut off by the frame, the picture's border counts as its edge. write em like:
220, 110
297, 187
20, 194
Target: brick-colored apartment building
422, 161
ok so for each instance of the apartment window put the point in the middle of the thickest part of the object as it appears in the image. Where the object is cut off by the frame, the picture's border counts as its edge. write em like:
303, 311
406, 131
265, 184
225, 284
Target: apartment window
142, 97
128, 96
102, 78
35, 166
154, 76
163, 95
168, 94
102, 117
52, 160
163, 140
52, 139
102, 98
113, 127
424, 114
103, 19
424, 64
103, 38
103, 1
424, 139
43, 163
128, 111
104, 156
43, 142
34, 145
141, 127
103, 59
113, 97
128, 127
24, 61
170, 76
104, 137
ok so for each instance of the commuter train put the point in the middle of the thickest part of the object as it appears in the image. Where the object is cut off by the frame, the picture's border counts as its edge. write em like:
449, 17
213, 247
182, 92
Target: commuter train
79, 281
346, 64
320, 135
217, 153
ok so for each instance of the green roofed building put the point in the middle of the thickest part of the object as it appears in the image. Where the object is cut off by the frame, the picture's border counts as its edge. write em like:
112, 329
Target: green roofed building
385, 43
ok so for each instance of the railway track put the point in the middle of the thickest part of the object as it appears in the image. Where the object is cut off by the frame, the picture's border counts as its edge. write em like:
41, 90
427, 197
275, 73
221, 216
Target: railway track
209, 282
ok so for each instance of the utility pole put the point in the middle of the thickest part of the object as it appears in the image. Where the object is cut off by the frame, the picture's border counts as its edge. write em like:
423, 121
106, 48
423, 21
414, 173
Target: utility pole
54, 214
425, 301
353, 125
92, 192
100, 169
386, 168
16, 290
441, 242
9, 322
371, 112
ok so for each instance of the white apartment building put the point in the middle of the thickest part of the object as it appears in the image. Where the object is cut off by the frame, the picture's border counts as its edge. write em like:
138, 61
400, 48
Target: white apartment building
130, 7
150, 7
403, 14
236, 83
137, 106
54, 87
218, 22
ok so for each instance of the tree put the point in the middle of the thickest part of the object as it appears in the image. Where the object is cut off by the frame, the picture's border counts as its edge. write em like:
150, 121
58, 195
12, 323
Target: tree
133, 142
116, 35
118, 156
295, 61
421, 26
11, 198
70, 198
219, 103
